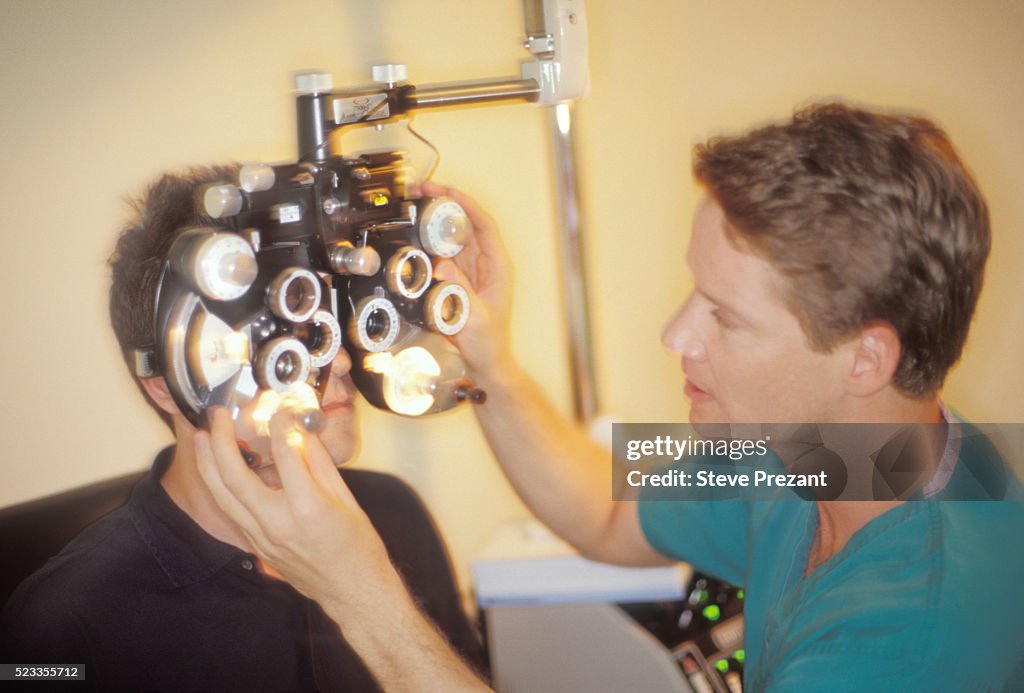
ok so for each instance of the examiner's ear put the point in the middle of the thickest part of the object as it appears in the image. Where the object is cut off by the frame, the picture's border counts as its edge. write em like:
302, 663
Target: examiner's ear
156, 388
876, 354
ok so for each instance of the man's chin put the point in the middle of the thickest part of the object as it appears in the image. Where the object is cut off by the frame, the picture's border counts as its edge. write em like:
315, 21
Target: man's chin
342, 449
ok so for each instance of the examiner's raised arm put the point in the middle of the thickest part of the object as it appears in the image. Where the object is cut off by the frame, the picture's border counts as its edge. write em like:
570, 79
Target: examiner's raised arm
313, 534
563, 476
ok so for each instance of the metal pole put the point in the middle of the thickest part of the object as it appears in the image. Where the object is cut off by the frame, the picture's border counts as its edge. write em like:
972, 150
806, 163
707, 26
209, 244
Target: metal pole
574, 285
472, 93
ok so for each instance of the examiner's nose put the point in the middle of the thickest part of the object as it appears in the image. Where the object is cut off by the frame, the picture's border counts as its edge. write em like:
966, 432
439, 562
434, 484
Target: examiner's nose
681, 336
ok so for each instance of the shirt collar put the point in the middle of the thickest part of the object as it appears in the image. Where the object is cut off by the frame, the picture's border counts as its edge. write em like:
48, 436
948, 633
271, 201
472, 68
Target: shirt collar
185, 552
950, 455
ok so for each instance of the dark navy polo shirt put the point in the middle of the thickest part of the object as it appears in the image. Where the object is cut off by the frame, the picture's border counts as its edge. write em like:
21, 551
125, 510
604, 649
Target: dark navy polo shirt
147, 600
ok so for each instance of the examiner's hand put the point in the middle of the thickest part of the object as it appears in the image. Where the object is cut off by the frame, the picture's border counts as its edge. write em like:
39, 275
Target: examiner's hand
311, 531
484, 269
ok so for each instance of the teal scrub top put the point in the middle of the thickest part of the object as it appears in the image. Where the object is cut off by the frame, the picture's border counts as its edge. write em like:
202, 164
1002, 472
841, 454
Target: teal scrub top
926, 597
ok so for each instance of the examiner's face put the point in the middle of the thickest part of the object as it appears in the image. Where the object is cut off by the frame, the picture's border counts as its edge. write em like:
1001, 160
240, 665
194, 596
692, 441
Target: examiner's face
744, 355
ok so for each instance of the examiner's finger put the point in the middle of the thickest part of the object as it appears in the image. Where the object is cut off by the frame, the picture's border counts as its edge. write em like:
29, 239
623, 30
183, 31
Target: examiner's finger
485, 230
429, 188
447, 271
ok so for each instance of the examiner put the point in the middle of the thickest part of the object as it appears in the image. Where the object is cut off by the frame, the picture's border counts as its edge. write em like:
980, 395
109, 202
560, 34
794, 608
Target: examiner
837, 261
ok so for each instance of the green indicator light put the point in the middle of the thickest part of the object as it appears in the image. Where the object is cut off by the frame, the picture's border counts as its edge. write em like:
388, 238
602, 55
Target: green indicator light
722, 665
739, 655
702, 596
739, 594
712, 612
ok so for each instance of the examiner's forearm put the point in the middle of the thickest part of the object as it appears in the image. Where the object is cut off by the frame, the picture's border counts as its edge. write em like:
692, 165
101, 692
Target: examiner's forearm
561, 474
396, 641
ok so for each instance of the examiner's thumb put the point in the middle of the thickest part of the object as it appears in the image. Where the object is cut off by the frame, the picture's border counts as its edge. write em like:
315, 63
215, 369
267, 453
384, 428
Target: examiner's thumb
447, 271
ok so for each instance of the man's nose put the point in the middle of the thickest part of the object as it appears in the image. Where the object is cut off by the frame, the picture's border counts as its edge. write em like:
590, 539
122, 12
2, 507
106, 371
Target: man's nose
682, 334
341, 364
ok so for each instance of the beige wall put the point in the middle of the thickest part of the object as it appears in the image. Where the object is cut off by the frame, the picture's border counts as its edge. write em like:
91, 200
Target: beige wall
100, 96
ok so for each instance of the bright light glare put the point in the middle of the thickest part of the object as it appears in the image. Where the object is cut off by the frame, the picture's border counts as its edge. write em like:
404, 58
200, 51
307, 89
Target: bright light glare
294, 438
265, 409
382, 362
409, 381
236, 347
300, 397
409, 377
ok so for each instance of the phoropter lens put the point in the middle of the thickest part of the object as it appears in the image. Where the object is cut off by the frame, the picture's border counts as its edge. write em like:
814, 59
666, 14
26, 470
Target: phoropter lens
324, 338
281, 362
444, 227
374, 324
446, 308
294, 294
408, 272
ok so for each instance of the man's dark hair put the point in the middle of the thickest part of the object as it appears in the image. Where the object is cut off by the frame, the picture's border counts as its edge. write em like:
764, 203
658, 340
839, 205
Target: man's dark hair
167, 207
868, 217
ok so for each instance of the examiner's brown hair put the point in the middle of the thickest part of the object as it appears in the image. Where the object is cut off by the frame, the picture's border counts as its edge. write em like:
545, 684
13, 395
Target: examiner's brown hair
868, 217
166, 207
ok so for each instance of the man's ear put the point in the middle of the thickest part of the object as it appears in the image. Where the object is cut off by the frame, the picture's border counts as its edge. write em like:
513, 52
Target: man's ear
876, 354
156, 388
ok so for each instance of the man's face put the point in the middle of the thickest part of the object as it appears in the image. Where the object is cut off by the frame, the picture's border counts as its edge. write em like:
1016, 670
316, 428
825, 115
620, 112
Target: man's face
744, 355
339, 433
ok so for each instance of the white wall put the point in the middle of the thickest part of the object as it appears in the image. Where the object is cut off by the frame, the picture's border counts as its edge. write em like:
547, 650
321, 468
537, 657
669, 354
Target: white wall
100, 96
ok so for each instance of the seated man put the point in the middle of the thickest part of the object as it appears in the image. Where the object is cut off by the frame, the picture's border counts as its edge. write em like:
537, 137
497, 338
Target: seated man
837, 262
167, 593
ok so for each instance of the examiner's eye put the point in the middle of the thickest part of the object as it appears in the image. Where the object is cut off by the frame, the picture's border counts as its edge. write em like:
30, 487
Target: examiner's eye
721, 319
